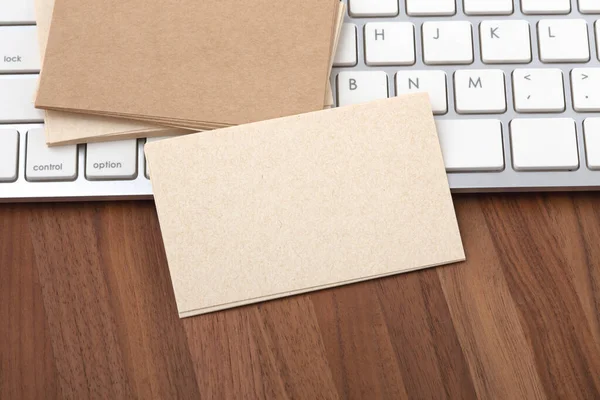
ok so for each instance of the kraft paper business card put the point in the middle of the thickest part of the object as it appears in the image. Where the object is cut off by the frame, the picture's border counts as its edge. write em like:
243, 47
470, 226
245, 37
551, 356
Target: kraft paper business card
188, 63
286, 206
69, 128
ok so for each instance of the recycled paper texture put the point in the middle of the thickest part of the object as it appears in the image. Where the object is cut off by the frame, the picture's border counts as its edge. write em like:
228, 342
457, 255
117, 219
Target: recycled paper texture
188, 63
302, 203
69, 128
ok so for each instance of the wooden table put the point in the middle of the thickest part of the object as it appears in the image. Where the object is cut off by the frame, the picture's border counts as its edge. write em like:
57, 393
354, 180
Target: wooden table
87, 311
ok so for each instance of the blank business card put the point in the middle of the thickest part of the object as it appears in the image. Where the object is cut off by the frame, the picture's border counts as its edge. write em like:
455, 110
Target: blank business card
286, 206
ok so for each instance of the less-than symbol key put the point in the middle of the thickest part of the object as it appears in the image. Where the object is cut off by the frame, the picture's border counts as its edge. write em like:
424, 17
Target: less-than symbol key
528, 78
538, 90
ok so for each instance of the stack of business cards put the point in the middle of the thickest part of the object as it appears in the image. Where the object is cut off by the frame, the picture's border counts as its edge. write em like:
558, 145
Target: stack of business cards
185, 64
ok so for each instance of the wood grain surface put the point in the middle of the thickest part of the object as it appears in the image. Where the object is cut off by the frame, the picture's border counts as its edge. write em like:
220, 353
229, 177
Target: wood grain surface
87, 311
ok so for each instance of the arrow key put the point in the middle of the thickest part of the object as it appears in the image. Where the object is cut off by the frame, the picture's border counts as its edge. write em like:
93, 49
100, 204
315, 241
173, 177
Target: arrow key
586, 89
538, 90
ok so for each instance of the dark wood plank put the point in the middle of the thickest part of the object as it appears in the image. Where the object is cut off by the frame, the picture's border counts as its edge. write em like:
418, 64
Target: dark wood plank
359, 347
105, 288
484, 315
269, 351
27, 369
535, 250
519, 319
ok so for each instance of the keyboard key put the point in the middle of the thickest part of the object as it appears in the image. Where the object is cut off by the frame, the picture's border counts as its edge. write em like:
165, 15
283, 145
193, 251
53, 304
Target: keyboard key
9, 151
548, 144
361, 86
505, 42
430, 7
346, 51
19, 50
432, 82
389, 43
589, 6
538, 90
488, 7
16, 12
479, 91
447, 42
563, 40
111, 160
546, 6
471, 145
16, 99
591, 128
586, 89
373, 8
49, 163
597, 29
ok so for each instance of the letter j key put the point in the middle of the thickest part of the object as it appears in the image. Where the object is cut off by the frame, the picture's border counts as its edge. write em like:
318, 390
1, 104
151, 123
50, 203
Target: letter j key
447, 42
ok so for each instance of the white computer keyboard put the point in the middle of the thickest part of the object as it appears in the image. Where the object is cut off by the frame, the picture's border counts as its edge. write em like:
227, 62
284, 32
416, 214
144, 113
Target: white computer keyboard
514, 85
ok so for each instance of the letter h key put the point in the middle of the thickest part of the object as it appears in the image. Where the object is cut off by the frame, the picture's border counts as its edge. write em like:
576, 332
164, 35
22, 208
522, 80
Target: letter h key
389, 43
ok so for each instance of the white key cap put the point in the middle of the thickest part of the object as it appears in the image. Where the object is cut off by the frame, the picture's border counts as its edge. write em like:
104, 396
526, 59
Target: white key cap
111, 160
479, 91
447, 42
432, 82
488, 7
9, 150
563, 40
538, 90
361, 86
546, 144
586, 89
49, 163
389, 43
373, 8
589, 6
16, 12
546, 6
430, 7
149, 140
597, 29
505, 42
19, 51
345, 55
471, 145
591, 128
16, 99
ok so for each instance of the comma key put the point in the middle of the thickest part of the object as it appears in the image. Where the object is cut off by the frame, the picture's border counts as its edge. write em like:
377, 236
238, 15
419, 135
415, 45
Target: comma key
49, 163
